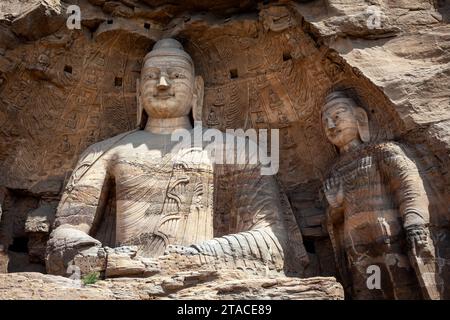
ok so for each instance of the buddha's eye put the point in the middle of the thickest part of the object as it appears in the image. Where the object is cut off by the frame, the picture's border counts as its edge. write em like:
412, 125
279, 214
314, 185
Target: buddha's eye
150, 76
177, 75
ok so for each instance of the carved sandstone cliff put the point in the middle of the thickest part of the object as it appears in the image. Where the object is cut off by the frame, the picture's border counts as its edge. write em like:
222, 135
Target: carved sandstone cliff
265, 65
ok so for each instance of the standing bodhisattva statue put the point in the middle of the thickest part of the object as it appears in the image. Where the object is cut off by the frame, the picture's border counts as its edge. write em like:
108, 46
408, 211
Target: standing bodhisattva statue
378, 210
133, 194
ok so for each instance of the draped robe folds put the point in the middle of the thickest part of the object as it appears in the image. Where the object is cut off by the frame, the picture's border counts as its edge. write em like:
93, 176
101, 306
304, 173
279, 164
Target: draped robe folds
159, 198
383, 196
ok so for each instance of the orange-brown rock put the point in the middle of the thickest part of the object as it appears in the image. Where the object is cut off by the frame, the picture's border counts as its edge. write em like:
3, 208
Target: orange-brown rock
188, 285
264, 65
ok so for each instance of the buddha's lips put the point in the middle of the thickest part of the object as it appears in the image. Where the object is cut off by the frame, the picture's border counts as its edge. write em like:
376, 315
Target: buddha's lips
333, 132
164, 96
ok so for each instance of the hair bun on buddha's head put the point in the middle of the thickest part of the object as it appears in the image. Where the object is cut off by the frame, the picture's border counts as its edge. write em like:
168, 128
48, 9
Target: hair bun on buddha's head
337, 96
168, 47
168, 43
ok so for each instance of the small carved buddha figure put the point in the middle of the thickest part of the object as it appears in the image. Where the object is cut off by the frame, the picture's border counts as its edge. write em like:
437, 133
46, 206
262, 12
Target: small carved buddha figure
133, 190
378, 210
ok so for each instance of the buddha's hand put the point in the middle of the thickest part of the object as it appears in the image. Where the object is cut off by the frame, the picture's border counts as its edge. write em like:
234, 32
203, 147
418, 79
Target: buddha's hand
179, 258
65, 243
334, 191
181, 250
125, 261
417, 237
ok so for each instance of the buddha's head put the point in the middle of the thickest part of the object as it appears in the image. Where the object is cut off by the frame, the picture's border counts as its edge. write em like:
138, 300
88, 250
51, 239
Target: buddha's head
344, 122
168, 86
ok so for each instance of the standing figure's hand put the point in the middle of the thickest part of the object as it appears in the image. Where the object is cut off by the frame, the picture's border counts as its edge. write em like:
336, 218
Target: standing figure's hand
417, 237
334, 192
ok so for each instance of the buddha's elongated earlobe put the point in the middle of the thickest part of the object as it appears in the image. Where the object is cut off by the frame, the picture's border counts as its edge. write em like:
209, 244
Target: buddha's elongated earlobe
197, 100
141, 119
363, 124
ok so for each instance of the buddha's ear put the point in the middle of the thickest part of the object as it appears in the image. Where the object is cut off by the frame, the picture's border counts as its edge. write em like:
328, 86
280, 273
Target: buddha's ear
141, 119
138, 103
197, 100
363, 124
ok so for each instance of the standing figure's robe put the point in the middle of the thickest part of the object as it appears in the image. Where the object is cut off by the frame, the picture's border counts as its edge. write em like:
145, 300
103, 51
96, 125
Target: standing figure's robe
383, 196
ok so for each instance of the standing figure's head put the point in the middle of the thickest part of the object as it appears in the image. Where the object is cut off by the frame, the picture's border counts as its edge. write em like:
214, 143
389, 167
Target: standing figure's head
168, 87
345, 124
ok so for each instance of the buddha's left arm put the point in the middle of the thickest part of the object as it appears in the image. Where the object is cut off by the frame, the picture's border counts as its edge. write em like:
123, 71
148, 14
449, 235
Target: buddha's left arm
261, 238
406, 183
254, 229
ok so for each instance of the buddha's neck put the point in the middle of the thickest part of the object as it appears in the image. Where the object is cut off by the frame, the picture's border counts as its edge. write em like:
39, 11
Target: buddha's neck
350, 146
167, 126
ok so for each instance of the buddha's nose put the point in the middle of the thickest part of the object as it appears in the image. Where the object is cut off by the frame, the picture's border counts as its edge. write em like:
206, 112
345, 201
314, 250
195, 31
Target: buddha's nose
330, 123
163, 83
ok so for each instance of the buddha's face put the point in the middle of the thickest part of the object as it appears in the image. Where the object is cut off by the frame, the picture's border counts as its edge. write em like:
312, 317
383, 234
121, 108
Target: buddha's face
340, 124
167, 84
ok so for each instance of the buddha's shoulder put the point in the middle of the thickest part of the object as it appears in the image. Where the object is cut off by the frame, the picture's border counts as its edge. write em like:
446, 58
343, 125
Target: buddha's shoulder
106, 145
388, 150
390, 147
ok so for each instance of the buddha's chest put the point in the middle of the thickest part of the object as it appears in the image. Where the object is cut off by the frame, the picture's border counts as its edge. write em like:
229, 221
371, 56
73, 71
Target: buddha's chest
358, 174
163, 182
159, 198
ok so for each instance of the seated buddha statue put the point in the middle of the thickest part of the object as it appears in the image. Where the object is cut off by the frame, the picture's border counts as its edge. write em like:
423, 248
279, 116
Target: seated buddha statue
134, 193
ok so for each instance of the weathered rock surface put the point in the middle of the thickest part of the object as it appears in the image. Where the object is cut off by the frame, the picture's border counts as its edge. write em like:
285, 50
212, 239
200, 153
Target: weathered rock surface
188, 285
3, 260
265, 66
407, 56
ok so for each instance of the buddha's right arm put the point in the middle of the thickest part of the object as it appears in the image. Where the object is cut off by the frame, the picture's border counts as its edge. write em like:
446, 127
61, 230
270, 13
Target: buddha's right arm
81, 205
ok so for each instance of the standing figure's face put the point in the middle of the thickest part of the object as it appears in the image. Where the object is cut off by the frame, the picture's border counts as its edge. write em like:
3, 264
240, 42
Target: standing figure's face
167, 87
340, 124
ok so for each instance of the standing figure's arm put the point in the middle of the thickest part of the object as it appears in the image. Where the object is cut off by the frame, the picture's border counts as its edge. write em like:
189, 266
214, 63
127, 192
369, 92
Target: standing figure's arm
409, 190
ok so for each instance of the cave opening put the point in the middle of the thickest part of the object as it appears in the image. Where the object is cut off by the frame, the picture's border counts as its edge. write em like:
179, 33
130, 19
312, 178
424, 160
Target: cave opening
233, 73
309, 246
68, 69
20, 244
287, 56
